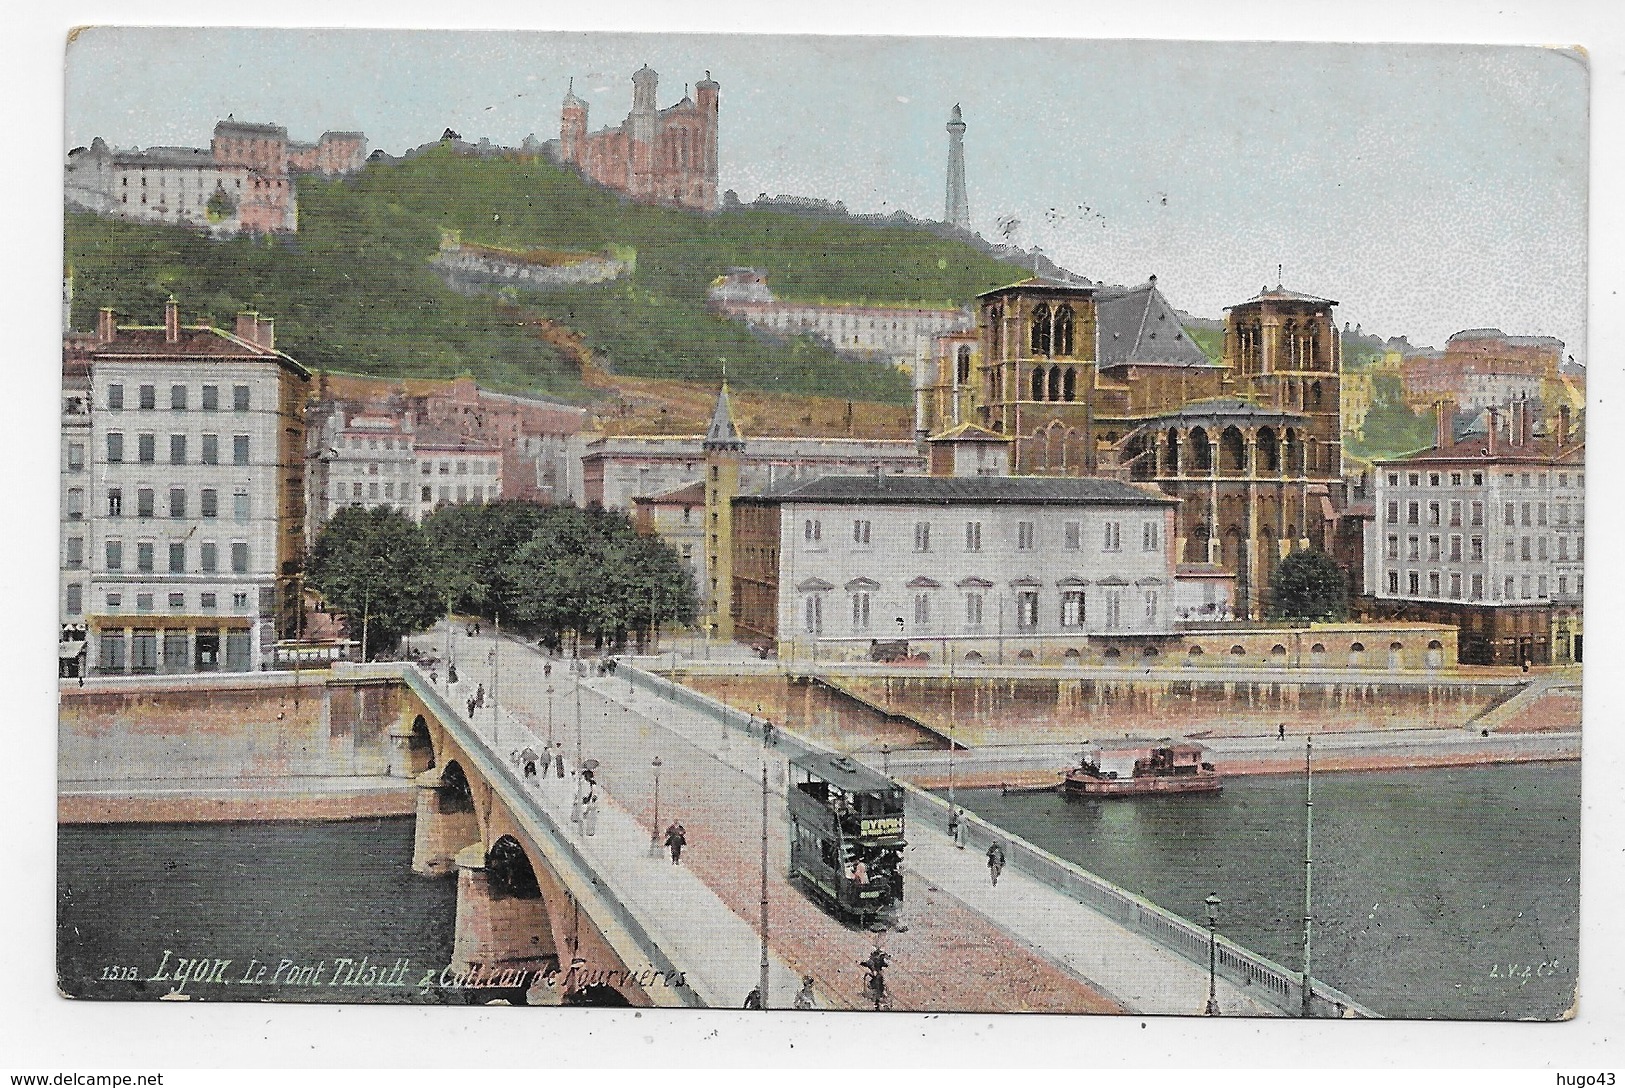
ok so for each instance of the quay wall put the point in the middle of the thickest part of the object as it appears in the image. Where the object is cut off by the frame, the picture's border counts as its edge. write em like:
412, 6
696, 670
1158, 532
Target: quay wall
227, 747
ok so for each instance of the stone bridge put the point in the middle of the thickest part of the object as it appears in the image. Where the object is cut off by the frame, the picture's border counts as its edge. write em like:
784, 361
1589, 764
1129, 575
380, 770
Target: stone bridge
532, 913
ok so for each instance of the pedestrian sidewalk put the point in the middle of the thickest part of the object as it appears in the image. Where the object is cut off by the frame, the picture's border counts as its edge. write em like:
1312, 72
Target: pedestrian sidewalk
1136, 972
718, 951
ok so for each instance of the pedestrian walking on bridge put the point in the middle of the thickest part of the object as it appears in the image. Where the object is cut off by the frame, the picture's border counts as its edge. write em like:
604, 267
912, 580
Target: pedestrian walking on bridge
676, 839
995, 862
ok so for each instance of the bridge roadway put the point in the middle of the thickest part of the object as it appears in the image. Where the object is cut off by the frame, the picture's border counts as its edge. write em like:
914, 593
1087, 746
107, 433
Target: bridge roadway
961, 944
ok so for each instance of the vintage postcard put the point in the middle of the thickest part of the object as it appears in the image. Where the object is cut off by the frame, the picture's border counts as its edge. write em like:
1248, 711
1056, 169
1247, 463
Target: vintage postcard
790, 523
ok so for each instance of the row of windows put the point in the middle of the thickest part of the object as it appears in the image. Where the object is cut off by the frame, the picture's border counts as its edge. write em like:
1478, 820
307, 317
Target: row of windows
146, 449
146, 501
207, 601
208, 556
1508, 479
1513, 588
1512, 513
209, 397
1524, 548
426, 494
1071, 612
812, 532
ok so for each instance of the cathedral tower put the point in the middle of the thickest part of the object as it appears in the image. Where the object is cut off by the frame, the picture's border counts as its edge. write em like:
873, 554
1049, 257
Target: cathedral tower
957, 212
572, 126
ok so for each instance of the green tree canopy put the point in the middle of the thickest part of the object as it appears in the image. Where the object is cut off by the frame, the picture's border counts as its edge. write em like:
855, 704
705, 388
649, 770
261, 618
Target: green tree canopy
1308, 585
589, 573
471, 544
373, 566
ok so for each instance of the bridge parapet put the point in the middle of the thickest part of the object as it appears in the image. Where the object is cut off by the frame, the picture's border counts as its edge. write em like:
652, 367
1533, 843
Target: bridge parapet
1273, 983
569, 874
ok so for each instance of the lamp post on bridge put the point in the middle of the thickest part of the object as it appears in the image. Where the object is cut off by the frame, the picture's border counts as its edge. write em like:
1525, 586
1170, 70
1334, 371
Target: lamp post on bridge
654, 830
550, 718
1212, 955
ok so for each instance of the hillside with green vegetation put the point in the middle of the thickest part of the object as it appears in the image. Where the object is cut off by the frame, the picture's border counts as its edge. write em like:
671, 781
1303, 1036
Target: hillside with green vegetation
353, 290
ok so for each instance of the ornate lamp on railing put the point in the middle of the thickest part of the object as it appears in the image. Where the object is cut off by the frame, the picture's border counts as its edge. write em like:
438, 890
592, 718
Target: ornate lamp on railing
1212, 955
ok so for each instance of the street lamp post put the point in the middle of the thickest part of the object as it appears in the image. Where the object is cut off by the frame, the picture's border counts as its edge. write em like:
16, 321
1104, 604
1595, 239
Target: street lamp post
550, 718
953, 813
654, 832
1212, 955
762, 977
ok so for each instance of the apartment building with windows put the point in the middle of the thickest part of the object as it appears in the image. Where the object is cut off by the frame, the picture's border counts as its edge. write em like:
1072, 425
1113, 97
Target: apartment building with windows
982, 568
1486, 532
191, 502
454, 469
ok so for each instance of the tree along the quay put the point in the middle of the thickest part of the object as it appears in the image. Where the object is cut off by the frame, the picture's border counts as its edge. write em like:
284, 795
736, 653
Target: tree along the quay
1309, 585
373, 566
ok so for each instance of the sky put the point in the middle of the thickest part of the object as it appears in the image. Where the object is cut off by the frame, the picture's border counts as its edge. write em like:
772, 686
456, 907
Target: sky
1427, 188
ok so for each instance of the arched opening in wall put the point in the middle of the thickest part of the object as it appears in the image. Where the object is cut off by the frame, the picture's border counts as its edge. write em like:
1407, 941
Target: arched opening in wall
1314, 397
1112, 654
1037, 383
455, 796
1232, 452
1201, 451
1151, 652
962, 367
1170, 452
1072, 460
1040, 338
1317, 654
1313, 362
1025, 655
1356, 654
1396, 651
1069, 384
1063, 331
1196, 546
1039, 458
510, 869
1294, 453
1238, 651
1072, 657
419, 747
974, 657
1269, 451
1277, 654
1435, 654
1054, 383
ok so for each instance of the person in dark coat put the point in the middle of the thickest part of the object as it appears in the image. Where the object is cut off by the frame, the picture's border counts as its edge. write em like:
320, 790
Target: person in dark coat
676, 839
995, 862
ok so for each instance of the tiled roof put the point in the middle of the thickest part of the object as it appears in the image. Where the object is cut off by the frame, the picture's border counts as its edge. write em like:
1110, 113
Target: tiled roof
135, 342
969, 432
1280, 294
946, 490
1136, 325
1040, 283
684, 495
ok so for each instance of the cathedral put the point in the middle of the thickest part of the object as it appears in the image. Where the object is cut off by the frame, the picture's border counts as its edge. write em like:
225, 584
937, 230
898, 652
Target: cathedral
1089, 380
656, 156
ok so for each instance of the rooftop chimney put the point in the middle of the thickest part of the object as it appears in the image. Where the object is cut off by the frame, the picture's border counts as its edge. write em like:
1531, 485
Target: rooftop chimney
248, 326
1494, 428
265, 333
1526, 421
106, 324
1444, 423
1563, 426
172, 321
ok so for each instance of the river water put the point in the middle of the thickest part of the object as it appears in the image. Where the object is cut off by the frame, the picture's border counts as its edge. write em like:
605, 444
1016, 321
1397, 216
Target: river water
1437, 893
291, 897
1444, 893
